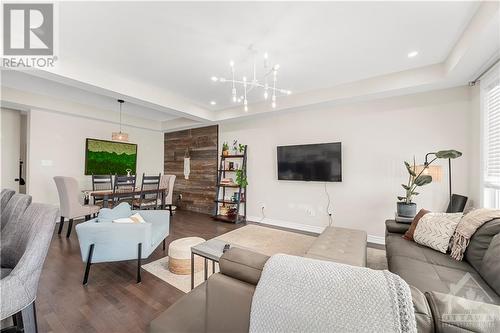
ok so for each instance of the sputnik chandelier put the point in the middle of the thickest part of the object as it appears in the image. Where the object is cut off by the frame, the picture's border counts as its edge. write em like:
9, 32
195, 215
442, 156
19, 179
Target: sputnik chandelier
267, 83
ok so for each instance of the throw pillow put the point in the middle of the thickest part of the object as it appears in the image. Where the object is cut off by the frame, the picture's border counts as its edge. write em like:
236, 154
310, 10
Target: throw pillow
136, 218
409, 233
108, 215
436, 229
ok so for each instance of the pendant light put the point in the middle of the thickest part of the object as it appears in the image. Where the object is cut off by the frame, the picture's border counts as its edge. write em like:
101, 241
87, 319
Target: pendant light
120, 136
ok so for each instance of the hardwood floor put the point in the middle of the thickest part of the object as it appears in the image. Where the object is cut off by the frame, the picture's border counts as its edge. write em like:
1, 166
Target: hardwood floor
112, 301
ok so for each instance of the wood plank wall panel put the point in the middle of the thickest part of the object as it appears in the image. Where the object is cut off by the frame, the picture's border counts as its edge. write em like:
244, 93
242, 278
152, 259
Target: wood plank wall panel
198, 192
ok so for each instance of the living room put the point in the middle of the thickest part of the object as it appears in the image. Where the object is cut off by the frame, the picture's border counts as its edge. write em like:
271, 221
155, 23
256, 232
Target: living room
178, 166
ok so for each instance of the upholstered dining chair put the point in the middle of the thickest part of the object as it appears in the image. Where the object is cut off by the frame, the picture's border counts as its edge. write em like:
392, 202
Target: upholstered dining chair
168, 182
69, 201
24, 246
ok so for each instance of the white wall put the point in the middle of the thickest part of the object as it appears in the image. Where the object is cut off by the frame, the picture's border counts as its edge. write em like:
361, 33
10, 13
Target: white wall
57, 148
376, 137
10, 142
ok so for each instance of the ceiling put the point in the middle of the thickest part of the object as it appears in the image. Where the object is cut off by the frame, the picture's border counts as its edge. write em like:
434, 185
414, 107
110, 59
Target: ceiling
160, 55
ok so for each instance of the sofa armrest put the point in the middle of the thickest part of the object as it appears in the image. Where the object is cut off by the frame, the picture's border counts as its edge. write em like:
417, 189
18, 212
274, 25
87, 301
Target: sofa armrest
243, 264
113, 241
396, 227
456, 314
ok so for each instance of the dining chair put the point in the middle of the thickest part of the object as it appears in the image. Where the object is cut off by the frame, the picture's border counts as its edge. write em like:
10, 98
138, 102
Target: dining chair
70, 206
24, 246
124, 189
149, 198
167, 183
101, 183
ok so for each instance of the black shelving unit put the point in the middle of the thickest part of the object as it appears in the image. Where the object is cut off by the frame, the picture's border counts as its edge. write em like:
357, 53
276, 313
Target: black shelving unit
221, 189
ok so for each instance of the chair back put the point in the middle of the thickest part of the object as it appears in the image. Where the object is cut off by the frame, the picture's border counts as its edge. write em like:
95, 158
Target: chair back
123, 188
69, 194
24, 252
150, 190
14, 209
168, 182
102, 182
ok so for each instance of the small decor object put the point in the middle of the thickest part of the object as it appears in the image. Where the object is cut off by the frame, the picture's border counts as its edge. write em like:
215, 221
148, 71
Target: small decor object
409, 233
241, 178
235, 147
405, 207
241, 148
129, 172
225, 149
435, 230
187, 165
231, 166
231, 213
467, 227
120, 136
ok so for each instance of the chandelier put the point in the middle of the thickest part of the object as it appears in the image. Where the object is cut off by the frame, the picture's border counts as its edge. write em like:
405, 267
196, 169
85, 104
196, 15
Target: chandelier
120, 136
267, 83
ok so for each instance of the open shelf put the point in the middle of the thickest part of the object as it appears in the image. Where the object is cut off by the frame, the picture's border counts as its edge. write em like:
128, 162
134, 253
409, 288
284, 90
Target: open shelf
229, 202
229, 185
233, 156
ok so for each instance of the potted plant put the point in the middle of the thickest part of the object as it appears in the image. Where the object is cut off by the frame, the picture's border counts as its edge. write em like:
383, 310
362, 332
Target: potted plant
241, 148
235, 147
405, 206
241, 178
225, 149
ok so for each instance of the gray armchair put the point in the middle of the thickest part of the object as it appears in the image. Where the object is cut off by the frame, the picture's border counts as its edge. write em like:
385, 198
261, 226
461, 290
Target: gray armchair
4, 199
70, 205
25, 242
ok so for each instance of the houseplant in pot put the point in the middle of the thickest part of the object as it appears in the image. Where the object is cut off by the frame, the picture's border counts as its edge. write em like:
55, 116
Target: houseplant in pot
225, 149
405, 206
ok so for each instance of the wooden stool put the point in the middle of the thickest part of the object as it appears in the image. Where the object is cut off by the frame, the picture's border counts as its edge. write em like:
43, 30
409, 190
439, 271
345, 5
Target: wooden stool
179, 256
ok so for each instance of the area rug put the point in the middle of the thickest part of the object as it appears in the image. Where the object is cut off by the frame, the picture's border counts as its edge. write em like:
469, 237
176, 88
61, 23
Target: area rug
264, 240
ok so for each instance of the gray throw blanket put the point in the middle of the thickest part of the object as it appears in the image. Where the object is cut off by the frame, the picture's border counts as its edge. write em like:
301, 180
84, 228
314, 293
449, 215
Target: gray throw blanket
298, 294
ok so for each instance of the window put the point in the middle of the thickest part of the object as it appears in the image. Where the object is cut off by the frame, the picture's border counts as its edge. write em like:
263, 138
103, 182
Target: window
490, 108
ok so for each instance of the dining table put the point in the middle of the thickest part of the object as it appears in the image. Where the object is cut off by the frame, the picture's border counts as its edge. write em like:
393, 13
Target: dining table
107, 195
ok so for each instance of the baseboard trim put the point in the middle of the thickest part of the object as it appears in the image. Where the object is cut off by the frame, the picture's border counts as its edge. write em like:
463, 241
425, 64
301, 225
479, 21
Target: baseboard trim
304, 227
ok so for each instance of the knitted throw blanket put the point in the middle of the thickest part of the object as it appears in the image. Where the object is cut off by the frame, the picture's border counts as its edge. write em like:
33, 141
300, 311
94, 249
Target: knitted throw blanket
298, 294
467, 227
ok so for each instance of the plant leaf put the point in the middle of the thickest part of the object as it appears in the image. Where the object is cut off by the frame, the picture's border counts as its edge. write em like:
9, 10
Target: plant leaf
410, 169
416, 193
448, 154
423, 180
401, 198
406, 187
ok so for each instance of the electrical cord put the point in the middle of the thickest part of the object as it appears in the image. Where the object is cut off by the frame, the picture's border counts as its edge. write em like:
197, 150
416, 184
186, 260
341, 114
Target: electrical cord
263, 215
330, 219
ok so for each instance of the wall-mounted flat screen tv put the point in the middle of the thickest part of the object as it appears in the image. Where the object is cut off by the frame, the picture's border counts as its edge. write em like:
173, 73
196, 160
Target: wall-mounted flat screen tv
313, 162
104, 157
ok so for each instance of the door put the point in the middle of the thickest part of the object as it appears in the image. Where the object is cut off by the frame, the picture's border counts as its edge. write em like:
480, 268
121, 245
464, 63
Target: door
11, 148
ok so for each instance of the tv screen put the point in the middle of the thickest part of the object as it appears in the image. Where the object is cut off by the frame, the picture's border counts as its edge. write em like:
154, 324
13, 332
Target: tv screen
315, 162
104, 157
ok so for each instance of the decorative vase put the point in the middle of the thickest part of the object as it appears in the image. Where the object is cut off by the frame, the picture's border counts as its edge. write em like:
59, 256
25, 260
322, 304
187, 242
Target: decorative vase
406, 210
225, 152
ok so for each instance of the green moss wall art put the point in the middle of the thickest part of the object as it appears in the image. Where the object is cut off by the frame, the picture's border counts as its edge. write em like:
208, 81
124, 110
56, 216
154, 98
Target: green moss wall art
104, 157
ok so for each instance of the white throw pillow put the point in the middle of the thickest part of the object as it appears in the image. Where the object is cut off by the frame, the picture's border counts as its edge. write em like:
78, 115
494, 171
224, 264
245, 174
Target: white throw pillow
435, 230
136, 218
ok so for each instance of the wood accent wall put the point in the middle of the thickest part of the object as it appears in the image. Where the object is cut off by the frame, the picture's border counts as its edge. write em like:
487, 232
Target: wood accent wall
198, 192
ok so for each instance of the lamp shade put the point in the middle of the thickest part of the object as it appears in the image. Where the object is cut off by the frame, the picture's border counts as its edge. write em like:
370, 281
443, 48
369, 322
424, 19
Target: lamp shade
435, 171
119, 136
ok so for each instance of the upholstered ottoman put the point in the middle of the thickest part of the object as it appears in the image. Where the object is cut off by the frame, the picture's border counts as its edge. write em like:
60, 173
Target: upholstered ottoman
179, 256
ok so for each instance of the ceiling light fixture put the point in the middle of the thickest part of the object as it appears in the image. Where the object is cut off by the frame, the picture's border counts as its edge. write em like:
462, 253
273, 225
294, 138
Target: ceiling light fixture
412, 54
120, 136
270, 88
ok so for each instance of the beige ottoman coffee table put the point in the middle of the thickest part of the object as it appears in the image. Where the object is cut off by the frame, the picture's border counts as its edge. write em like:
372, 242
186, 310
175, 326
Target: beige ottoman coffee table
179, 256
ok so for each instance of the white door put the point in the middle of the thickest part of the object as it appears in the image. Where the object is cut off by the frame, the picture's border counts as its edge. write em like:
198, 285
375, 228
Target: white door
11, 148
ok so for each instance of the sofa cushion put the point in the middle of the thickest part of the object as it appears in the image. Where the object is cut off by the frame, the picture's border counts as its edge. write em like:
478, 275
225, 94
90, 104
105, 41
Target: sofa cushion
109, 214
429, 277
436, 229
490, 267
423, 314
411, 231
480, 242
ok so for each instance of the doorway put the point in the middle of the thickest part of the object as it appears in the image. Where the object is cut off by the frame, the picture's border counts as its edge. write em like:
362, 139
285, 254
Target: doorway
14, 136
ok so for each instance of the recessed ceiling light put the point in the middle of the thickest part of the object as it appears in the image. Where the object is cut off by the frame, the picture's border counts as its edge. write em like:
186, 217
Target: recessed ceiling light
412, 54
213, 102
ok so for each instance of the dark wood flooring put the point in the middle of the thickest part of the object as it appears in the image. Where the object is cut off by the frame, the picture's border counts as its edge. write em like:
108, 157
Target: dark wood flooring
112, 301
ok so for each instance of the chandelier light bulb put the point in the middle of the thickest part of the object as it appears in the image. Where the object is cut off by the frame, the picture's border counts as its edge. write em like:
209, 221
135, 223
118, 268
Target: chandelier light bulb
273, 104
266, 55
276, 67
266, 95
234, 99
214, 78
246, 108
231, 63
222, 79
244, 78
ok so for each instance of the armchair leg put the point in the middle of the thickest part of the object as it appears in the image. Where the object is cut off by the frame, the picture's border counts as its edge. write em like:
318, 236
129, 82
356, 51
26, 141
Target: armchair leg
61, 224
87, 266
27, 320
139, 255
70, 226
170, 210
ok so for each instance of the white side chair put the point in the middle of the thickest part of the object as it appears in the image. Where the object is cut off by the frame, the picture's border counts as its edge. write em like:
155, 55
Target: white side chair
69, 202
168, 181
